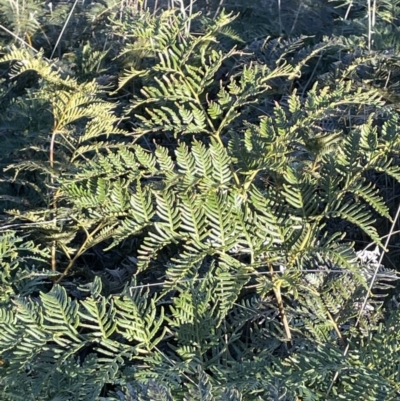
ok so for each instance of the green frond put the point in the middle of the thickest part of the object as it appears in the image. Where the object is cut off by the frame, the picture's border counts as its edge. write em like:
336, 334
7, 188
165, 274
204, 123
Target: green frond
98, 315
203, 161
358, 215
219, 213
230, 278
165, 163
370, 194
61, 315
23, 60
187, 265
140, 320
186, 165
193, 217
146, 159
272, 219
300, 195
166, 227
221, 163
141, 204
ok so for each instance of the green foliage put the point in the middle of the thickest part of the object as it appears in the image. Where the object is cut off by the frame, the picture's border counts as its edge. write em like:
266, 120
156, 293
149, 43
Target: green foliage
19, 259
178, 213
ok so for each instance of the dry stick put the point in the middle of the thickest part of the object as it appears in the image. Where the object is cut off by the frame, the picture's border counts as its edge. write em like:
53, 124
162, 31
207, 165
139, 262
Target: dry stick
368, 293
369, 25
64, 27
54, 242
28, 37
18, 38
183, 9
183, 13
348, 11
296, 18
190, 14
345, 18
280, 16
374, 13
218, 9
371, 21
20, 226
312, 75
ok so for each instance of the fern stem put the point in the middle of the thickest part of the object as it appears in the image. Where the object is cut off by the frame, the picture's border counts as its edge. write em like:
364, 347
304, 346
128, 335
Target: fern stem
335, 326
248, 183
278, 297
28, 38
53, 256
80, 251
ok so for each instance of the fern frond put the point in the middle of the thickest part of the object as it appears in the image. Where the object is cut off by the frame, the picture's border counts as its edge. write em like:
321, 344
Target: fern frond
98, 315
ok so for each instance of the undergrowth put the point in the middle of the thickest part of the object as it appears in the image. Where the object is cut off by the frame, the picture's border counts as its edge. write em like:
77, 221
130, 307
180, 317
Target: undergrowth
199, 201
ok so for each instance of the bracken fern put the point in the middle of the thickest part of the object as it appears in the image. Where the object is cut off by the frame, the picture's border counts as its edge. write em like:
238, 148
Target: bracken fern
221, 195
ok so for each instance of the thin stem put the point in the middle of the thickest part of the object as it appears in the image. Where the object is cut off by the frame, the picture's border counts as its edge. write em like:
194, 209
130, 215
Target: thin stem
280, 16
63, 28
369, 25
297, 17
80, 251
217, 11
248, 182
28, 38
312, 75
374, 13
335, 326
278, 297
54, 242
18, 38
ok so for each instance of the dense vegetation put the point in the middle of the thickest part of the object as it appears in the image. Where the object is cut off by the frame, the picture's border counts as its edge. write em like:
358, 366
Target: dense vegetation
199, 200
